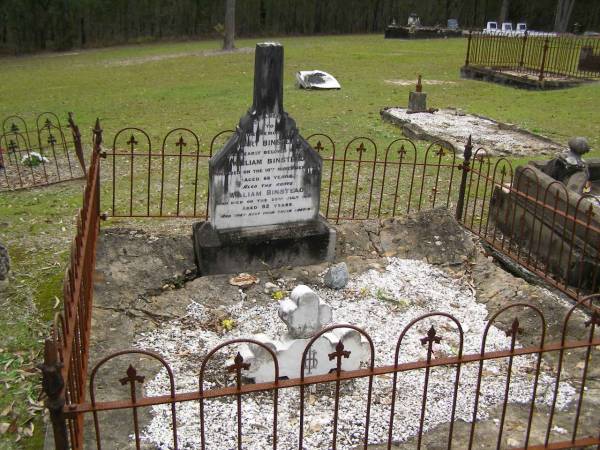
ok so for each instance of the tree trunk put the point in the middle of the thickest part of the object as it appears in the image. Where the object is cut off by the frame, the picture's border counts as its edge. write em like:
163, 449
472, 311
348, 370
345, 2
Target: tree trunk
229, 25
564, 8
504, 10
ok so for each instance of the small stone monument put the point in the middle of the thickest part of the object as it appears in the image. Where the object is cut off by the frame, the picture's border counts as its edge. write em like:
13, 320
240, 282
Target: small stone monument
417, 101
570, 168
265, 187
305, 314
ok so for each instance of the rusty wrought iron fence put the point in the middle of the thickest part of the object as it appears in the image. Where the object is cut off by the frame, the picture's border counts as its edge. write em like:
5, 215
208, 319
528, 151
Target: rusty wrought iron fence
359, 182
537, 55
535, 221
67, 352
48, 154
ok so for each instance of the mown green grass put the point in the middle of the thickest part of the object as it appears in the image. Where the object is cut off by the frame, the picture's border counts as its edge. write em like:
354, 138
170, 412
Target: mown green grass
208, 94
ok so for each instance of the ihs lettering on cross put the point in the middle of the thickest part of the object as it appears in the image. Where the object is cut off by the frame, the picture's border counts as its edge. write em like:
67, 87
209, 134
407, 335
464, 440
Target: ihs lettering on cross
237, 367
311, 361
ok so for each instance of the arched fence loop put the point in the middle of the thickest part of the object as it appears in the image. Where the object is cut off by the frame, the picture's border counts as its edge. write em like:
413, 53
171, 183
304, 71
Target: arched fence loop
132, 379
237, 368
429, 341
338, 355
513, 332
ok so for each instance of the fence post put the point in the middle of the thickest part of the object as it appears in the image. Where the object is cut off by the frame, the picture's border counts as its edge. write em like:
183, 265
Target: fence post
522, 60
463, 180
53, 386
546, 45
77, 142
98, 154
468, 48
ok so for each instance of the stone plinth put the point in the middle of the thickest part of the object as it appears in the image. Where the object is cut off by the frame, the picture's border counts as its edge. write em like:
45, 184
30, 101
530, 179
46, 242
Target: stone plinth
265, 187
417, 102
252, 249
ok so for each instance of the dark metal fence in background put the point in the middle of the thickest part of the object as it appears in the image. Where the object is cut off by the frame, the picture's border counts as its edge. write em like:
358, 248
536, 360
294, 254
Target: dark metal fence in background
41, 156
537, 55
359, 182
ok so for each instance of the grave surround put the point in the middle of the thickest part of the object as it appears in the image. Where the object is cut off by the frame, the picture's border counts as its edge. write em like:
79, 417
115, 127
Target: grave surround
265, 187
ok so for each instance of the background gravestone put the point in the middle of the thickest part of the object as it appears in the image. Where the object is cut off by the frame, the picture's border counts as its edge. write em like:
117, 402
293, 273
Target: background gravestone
265, 187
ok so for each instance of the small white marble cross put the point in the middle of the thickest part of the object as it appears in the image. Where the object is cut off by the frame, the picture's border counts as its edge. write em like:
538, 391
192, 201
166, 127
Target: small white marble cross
304, 313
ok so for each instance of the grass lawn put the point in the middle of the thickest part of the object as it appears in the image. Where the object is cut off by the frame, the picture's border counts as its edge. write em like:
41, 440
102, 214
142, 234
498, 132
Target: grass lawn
162, 86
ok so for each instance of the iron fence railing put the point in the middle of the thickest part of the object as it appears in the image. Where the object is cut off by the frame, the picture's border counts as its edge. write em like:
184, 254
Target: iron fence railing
40, 157
358, 183
537, 55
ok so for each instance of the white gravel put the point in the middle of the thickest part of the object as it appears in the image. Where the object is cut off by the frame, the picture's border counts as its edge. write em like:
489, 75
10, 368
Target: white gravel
382, 303
495, 138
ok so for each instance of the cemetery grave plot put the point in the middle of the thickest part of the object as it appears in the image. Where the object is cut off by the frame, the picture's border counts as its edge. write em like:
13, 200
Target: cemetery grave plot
533, 62
146, 293
46, 154
143, 288
455, 126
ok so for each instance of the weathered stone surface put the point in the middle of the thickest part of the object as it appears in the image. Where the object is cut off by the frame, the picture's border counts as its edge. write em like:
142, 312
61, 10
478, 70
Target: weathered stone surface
264, 188
4, 263
417, 102
579, 145
336, 276
255, 248
304, 313
266, 174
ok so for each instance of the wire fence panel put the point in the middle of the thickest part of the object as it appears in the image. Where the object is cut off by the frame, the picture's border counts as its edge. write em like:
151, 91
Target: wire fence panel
47, 155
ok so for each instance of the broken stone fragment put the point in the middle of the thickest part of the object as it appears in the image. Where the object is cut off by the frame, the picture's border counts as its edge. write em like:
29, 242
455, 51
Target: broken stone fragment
337, 276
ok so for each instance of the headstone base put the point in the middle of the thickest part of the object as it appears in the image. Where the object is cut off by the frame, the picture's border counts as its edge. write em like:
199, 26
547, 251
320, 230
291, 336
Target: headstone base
258, 248
417, 102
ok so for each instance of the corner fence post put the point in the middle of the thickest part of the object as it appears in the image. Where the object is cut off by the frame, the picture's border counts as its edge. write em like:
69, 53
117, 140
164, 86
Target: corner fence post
53, 386
468, 48
465, 167
544, 55
77, 142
